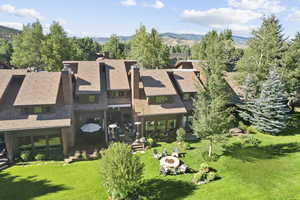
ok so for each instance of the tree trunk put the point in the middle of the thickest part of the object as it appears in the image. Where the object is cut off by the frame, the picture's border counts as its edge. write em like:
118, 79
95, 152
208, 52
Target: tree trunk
210, 149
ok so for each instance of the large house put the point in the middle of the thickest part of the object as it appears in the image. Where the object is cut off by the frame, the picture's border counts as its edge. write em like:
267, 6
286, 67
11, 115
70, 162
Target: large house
43, 111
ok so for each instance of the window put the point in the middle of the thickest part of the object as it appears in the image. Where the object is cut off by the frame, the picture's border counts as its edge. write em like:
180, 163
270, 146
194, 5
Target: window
37, 109
159, 99
39, 142
92, 99
24, 143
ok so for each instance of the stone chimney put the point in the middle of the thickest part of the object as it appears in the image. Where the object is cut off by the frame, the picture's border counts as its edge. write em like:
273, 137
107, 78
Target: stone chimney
67, 84
135, 80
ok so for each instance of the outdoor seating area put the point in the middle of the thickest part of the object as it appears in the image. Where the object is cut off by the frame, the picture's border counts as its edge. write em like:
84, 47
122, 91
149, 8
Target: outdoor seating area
170, 164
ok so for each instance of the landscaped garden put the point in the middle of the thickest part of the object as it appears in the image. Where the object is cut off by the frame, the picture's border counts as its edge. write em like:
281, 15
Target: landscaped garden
269, 170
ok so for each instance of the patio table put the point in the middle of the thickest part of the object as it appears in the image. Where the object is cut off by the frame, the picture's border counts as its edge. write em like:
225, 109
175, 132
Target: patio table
169, 162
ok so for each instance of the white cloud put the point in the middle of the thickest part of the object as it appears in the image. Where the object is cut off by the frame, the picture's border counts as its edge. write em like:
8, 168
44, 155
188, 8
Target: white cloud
14, 25
269, 6
294, 16
129, 3
157, 4
222, 18
23, 12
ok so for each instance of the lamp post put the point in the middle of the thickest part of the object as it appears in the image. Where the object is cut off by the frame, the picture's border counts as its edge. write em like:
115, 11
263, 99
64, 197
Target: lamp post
112, 127
138, 136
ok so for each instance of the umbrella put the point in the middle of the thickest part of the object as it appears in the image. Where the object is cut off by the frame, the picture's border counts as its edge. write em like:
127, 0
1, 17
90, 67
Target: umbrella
90, 128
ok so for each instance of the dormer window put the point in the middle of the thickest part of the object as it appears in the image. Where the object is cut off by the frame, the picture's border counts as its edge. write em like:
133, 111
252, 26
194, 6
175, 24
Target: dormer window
92, 98
37, 109
159, 99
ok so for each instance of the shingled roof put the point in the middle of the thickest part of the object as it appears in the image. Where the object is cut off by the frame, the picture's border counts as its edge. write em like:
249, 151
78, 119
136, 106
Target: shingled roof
88, 77
116, 78
39, 88
186, 81
157, 83
5, 77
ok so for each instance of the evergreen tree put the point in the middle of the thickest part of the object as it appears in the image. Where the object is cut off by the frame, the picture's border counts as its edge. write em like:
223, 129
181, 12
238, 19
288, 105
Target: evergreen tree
55, 48
271, 110
211, 118
5, 50
84, 48
114, 47
291, 65
27, 47
266, 48
248, 106
148, 49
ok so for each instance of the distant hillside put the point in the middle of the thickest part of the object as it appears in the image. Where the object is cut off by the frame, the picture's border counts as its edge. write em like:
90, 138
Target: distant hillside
175, 38
8, 33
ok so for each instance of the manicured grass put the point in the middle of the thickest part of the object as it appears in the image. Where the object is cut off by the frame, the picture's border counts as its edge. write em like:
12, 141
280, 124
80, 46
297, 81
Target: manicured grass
270, 171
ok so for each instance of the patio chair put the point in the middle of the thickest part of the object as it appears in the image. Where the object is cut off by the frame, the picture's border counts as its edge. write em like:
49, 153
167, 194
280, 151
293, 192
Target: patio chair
156, 154
175, 152
164, 153
164, 171
173, 171
183, 168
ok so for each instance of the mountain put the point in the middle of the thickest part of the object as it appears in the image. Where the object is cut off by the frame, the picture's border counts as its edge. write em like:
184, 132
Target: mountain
173, 39
8, 33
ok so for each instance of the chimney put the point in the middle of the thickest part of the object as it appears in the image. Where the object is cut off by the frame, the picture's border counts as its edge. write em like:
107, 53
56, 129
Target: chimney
106, 54
67, 84
135, 80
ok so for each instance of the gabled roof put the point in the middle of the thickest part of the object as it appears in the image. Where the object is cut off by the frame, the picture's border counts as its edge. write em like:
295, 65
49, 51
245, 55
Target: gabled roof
88, 77
157, 83
39, 88
232, 80
5, 77
116, 78
187, 81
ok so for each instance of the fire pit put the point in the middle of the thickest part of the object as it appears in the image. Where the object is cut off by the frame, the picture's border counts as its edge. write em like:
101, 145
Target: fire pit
170, 162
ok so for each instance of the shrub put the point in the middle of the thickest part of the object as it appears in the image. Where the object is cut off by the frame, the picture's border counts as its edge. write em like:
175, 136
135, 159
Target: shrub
180, 135
25, 155
198, 177
40, 157
211, 176
250, 139
84, 155
121, 171
204, 166
151, 142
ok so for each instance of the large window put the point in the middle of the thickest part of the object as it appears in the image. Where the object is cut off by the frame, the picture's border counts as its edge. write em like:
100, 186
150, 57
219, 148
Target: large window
159, 99
41, 143
115, 94
92, 98
35, 110
160, 126
24, 143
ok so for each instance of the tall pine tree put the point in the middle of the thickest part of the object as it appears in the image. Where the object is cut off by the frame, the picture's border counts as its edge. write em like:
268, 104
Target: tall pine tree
266, 48
291, 65
271, 110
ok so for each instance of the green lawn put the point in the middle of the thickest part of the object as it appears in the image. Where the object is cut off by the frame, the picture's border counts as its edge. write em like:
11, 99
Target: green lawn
270, 171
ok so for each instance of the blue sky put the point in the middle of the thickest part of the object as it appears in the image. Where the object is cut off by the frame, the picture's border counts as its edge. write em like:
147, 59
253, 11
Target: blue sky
105, 17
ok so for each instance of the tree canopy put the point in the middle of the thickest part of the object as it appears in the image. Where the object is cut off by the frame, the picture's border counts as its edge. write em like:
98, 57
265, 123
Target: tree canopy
266, 48
148, 49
